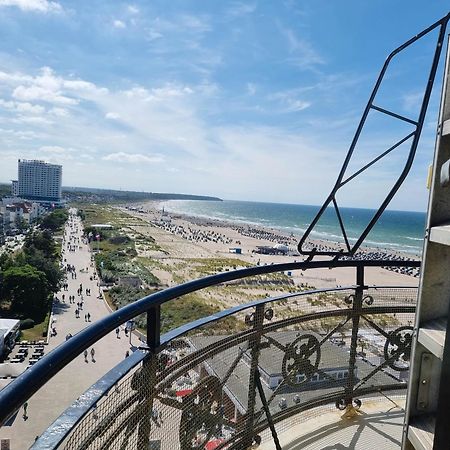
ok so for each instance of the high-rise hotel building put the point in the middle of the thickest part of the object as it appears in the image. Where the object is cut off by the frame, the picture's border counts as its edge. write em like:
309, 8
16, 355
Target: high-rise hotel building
39, 180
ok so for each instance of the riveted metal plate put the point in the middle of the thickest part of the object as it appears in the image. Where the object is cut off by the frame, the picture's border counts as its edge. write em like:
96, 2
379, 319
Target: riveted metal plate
423, 391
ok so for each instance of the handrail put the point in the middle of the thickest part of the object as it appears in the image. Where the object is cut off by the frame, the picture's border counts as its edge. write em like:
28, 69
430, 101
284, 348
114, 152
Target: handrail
59, 429
14, 395
62, 426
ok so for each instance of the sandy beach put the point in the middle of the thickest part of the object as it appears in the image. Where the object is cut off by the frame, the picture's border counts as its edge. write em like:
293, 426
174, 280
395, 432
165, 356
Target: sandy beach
182, 238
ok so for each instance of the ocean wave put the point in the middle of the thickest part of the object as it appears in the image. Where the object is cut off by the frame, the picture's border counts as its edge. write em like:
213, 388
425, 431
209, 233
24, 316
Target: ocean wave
276, 219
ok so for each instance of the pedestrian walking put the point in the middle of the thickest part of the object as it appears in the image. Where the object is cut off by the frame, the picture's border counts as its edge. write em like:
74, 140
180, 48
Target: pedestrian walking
92, 354
25, 409
85, 356
117, 333
88, 317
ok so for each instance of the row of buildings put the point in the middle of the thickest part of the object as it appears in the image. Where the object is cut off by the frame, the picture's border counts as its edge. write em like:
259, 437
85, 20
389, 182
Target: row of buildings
37, 188
15, 213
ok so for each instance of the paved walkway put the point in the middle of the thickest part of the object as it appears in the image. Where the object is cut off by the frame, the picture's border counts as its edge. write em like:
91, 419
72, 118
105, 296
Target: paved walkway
50, 401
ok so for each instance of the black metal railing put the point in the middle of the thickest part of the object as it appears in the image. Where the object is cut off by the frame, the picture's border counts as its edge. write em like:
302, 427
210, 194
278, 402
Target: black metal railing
226, 378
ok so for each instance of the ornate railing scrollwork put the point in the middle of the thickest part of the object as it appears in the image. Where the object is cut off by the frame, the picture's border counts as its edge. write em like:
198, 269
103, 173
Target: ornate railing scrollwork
301, 360
397, 350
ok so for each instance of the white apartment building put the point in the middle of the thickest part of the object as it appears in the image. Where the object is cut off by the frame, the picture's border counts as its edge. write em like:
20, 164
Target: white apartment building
13, 209
38, 180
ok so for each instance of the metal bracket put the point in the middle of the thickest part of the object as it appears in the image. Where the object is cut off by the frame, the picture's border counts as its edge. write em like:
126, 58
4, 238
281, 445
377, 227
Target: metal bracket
423, 390
445, 174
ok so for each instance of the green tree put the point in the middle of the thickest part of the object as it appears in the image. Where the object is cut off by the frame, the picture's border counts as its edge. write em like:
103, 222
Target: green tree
21, 224
27, 289
40, 240
5, 261
54, 220
37, 259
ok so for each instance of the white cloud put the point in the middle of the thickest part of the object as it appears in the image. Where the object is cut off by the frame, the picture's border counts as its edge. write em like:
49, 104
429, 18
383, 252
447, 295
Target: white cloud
119, 24
241, 8
19, 134
13, 78
59, 112
49, 88
152, 34
288, 101
80, 85
29, 108
198, 24
112, 116
303, 54
22, 107
53, 149
42, 94
297, 105
251, 89
133, 158
168, 123
412, 102
44, 87
44, 6
170, 90
33, 120
133, 9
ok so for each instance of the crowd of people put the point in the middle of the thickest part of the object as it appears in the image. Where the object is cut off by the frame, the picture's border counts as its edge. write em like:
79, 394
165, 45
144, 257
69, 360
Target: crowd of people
71, 242
195, 235
201, 233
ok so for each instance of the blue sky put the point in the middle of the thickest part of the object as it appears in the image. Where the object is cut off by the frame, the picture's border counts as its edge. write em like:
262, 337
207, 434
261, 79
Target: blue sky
254, 100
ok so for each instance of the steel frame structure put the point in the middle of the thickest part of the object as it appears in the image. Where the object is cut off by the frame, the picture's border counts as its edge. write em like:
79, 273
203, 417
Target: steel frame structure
415, 135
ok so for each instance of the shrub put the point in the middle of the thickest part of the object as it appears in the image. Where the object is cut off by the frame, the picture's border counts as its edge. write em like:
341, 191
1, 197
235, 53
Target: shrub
120, 239
26, 324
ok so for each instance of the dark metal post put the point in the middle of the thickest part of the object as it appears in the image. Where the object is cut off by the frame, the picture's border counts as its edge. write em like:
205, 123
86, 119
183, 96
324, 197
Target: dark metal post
153, 328
149, 370
254, 344
266, 409
356, 313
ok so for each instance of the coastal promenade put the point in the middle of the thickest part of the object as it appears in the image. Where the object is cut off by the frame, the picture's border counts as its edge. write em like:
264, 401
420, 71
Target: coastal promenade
74, 379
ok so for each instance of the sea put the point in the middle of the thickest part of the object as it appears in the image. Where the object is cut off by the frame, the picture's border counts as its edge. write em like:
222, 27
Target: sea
401, 231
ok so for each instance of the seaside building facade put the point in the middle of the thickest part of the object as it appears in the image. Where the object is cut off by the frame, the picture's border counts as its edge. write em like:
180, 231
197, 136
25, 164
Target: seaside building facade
15, 211
38, 181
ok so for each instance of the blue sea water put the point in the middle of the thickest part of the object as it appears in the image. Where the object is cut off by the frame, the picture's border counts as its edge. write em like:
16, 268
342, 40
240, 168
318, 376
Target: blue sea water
396, 230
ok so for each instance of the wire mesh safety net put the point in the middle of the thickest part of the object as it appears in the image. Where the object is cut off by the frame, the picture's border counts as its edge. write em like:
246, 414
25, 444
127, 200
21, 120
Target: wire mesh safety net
318, 356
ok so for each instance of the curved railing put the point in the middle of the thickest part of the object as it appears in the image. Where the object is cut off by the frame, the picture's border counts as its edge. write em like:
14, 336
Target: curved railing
181, 389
